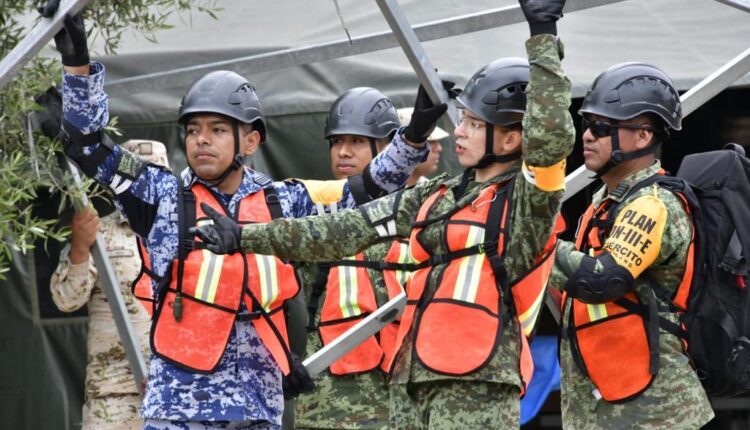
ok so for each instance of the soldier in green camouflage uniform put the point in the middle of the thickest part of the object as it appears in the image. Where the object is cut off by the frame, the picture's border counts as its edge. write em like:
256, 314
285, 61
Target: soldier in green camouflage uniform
651, 106
488, 397
354, 401
358, 401
112, 398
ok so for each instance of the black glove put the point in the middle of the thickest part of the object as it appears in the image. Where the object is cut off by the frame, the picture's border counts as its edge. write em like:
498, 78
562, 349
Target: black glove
221, 237
71, 42
542, 15
50, 116
49, 9
298, 381
426, 114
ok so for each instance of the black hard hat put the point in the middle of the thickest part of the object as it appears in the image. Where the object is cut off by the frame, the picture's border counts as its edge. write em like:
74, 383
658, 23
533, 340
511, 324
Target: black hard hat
627, 90
496, 92
225, 93
362, 111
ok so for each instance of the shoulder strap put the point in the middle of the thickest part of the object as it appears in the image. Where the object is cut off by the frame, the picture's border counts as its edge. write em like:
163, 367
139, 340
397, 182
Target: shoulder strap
273, 202
358, 188
318, 287
497, 224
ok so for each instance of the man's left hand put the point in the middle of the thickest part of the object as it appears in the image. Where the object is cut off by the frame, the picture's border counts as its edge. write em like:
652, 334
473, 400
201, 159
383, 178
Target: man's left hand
424, 117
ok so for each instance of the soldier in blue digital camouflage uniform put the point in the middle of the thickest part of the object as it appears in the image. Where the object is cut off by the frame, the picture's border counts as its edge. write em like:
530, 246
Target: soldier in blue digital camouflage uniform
472, 242
223, 124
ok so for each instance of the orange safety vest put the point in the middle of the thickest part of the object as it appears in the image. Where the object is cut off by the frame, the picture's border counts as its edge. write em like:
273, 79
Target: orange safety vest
610, 342
141, 287
350, 297
459, 326
195, 315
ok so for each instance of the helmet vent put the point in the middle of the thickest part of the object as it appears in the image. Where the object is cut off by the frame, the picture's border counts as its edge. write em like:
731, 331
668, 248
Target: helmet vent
381, 107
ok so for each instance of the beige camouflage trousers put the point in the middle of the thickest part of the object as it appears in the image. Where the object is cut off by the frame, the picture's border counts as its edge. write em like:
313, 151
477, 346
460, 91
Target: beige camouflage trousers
454, 404
114, 412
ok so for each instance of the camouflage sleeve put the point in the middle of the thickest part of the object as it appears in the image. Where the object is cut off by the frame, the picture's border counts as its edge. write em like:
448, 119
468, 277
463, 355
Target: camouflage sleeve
393, 166
334, 236
548, 138
567, 260
71, 284
548, 131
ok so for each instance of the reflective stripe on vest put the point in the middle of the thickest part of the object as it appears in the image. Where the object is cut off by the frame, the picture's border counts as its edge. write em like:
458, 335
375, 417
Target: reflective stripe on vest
210, 291
609, 343
349, 298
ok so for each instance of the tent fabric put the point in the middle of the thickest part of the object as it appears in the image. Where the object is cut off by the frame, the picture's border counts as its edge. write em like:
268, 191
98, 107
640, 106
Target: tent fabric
42, 350
689, 40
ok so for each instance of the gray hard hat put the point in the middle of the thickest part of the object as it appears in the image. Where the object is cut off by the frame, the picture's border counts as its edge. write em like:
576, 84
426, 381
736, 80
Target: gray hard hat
226, 93
627, 90
362, 111
496, 92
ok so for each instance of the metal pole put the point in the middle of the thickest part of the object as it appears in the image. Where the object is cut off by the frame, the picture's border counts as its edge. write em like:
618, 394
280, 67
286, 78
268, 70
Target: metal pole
704, 91
417, 56
743, 5
114, 297
259, 63
35, 40
373, 323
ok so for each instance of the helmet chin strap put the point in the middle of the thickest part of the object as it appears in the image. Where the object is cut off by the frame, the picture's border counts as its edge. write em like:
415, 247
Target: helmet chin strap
373, 147
237, 162
618, 156
489, 156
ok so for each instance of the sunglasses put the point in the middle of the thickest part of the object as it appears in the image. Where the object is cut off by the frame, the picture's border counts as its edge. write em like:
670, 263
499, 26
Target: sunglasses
601, 129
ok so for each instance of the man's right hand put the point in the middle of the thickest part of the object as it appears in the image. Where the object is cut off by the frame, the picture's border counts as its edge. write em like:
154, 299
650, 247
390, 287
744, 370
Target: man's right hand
425, 115
71, 42
542, 15
298, 381
84, 227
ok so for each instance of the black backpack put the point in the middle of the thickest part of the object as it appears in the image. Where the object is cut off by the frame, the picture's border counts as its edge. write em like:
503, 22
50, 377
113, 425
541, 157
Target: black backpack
716, 188
718, 313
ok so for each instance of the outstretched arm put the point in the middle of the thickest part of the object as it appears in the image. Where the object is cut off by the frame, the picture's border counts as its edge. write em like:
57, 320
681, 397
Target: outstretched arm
319, 238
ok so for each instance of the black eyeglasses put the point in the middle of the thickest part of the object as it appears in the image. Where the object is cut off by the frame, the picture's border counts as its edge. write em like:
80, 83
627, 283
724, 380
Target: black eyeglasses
601, 129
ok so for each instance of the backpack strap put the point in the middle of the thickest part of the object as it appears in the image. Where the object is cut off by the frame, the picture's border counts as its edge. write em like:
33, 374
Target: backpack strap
273, 202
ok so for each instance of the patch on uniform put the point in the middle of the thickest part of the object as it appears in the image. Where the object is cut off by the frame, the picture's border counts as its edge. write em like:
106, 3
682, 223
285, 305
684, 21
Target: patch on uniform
130, 166
635, 238
381, 214
120, 252
261, 179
